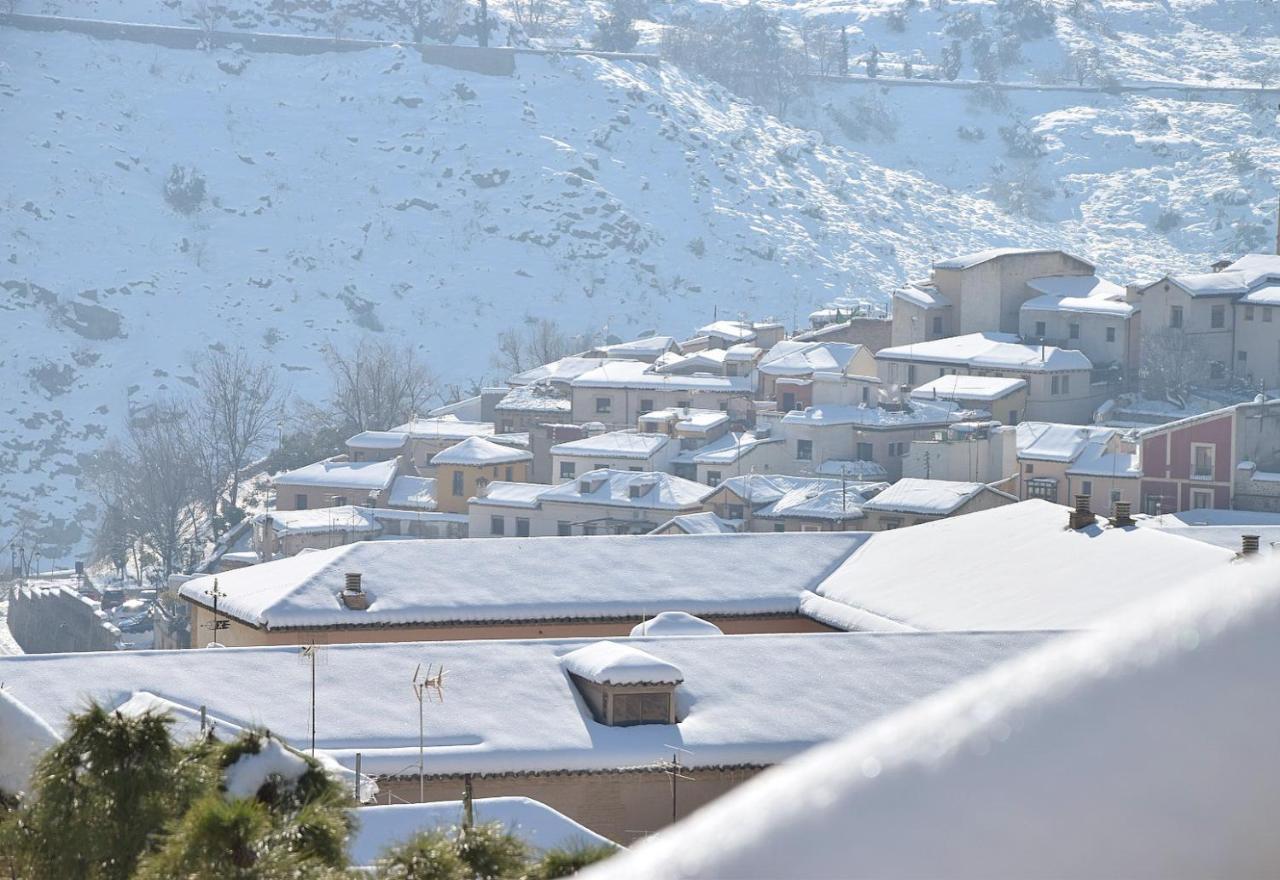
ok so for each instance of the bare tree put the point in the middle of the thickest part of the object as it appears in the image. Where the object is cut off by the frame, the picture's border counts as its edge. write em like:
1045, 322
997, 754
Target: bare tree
238, 401
539, 341
376, 385
160, 481
1172, 362
533, 16
208, 16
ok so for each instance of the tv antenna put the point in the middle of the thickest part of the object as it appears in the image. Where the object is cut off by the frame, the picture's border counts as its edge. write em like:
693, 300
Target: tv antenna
215, 625
310, 653
426, 686
672, 768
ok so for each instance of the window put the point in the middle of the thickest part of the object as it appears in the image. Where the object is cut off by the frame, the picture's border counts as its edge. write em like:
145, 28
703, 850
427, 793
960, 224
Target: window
604, 404
1266, 315
1086, 487
505, 427
1175, 317
1053, 385
588, 530
339, 500
564, 529
788, 401
1218, 317
736, 511
865, 452
1040, 330
1043, 487
1115, 496
636, 468
1066, 384
1201, 500
646, 405
892, 523
1073, 331
1202, 461
866, 394
300, 501
1217, 370
1242, 356
713, 478
567, 469
599, 467
1111, 334
779, 527
683, 404
522, 526
1013, 417
633, 492
458, 488
937, 326
911, 374
1248, 313
629, 709
1030, 468
509, 474
497, 525
804, 450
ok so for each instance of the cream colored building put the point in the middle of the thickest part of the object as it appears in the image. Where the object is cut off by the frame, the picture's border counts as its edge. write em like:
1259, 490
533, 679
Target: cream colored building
910, 502
616, 394
465, 469
1058, 462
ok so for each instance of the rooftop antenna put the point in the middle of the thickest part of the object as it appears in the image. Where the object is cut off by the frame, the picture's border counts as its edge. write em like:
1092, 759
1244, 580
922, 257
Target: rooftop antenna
426, 686
309, 653
672, 768
215, 625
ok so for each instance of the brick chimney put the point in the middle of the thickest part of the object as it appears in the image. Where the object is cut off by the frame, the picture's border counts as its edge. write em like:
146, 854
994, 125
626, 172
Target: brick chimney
353, 594
1121, 517
1249, 545
1082, 516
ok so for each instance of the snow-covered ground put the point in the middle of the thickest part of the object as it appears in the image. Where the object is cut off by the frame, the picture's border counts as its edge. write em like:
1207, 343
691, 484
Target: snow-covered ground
370, 193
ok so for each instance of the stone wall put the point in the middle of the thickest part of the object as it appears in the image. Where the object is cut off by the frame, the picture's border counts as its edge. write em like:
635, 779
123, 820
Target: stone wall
57, 619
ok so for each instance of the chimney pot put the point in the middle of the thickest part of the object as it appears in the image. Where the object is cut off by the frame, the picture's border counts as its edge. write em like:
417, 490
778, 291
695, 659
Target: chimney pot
1121, 517
353, 596
1082, 516
1249, 545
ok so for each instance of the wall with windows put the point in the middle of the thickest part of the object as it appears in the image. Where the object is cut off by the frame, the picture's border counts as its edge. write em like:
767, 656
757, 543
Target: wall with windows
1188, 466
455, 484
1258, 336
1103, 338
1209, 320
621, 407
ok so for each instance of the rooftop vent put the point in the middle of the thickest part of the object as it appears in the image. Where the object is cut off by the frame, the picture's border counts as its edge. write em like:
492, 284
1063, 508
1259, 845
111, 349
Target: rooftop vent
1082, 516
1121, 517
353, 594
1249, 545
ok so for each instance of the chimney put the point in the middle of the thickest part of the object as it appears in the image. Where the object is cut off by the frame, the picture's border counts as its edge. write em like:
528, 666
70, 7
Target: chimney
1082, 516
353, 595
1249, 545
1120, 516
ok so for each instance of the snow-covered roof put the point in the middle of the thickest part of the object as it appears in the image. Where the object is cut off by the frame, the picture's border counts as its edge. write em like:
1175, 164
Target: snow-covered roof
340, 473
1267, 293
767, 488
1241, 277
704, 523
699, 421
708, 359
467, 409
839, 504
1096, 461
926, 296
649, 346
1078, 293
378, 440
941, 575
931, 497
967, 261
742, 353
610, 487
417, 493
675, 623
512, 494
922, 412
608, 662
24, 738
994, 350
534, 397
480, 451
733, 331
509, 707
587, 577
1144, 749
445, 428
965, 387
614, 444
1050, 441
379, 827
1222, 528
856, 469
791, 358
725, 449
636, 374
321, 519
564, 370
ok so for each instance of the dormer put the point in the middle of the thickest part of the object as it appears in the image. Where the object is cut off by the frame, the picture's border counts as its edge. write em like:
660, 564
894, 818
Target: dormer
592, 482
624, 686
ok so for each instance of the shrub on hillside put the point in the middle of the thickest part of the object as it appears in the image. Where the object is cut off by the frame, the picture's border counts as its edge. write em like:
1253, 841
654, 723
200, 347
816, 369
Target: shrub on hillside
185, 189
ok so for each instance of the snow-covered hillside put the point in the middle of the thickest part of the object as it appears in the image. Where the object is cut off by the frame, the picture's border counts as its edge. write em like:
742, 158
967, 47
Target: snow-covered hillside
369, 193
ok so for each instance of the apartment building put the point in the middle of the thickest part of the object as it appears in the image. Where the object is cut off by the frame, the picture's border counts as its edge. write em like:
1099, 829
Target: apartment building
616, 394
1084, 313
1231, 317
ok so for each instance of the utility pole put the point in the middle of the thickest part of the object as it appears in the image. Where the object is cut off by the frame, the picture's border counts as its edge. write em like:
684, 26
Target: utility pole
672, 768
309, 652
